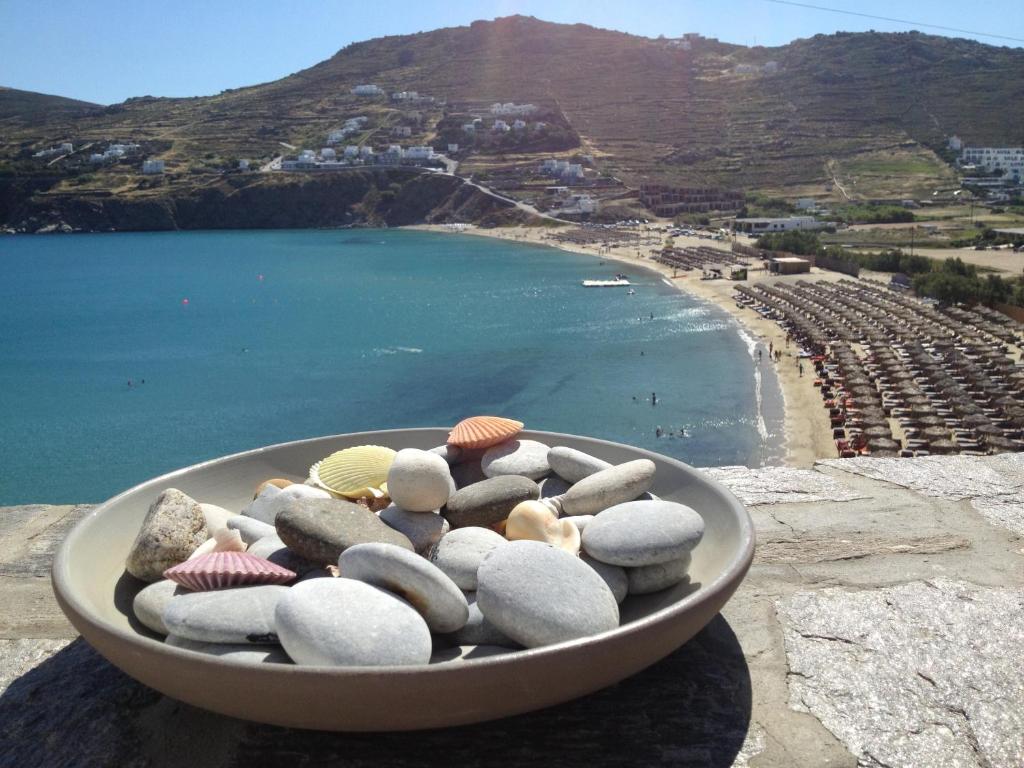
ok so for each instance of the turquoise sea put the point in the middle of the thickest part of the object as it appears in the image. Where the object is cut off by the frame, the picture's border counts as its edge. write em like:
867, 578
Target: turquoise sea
123, 356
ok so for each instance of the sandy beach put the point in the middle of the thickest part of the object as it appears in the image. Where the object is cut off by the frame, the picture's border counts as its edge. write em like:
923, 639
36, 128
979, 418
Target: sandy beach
808, 433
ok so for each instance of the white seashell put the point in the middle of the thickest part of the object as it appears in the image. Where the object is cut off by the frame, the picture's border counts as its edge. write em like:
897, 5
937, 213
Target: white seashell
216, 517
534, 521
223, 540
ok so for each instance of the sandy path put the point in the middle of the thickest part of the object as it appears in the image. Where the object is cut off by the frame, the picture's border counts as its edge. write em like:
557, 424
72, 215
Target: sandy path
808, 434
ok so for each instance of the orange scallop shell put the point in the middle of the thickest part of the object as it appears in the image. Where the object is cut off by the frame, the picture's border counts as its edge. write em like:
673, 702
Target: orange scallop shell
483, 431
219, 570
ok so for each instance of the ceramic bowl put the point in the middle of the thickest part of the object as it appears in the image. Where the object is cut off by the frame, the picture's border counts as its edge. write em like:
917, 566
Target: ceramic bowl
96, 593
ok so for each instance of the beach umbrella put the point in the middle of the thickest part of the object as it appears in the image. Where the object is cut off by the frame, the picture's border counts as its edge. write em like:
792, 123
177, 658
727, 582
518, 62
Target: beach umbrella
975, 419
878, 431
1001, 444
989, 430
883, 444
936, 433
943, 446
930, 421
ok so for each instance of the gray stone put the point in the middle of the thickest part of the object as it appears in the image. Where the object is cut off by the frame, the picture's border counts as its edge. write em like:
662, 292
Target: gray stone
276, 551
614, 576
272, 500
416, 580
240, 615
149, 603
342, 622
419, 481
572, 465
489, 501
423, 529
321, 529
553, 485
173, 528
467, 473
621, 483
450, 453
538, 595
517, 457
251, 654
643, 533
250, 529
478, 630
653, 578
923, 674
460, 552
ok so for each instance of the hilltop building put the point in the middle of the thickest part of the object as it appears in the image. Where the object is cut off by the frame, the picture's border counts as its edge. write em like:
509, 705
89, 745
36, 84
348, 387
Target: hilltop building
367, 89
243, 165
761, 226
665, 200
1009, 160
509, 108
152, 166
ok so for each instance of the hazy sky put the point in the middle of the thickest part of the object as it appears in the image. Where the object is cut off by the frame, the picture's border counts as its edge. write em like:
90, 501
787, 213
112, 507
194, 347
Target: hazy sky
107, 51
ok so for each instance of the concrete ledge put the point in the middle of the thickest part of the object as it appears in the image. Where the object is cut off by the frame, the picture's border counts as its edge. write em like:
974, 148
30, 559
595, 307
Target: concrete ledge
881, 625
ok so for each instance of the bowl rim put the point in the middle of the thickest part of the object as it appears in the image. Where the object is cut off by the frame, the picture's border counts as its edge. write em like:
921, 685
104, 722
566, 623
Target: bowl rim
734, 572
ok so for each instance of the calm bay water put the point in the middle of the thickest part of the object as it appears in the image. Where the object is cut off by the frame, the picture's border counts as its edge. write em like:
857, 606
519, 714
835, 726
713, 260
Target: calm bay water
249, 338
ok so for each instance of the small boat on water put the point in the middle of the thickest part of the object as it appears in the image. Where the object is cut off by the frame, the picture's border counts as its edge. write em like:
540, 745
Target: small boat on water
619, 281
631, 292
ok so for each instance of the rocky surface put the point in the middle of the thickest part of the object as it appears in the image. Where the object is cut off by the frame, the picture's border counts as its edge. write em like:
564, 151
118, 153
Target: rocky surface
923, 574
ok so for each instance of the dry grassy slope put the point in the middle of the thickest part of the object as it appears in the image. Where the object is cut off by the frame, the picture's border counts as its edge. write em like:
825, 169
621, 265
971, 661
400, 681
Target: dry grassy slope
646, 107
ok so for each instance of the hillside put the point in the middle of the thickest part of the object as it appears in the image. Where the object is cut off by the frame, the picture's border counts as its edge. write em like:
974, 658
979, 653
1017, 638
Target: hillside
866, 110
34, 108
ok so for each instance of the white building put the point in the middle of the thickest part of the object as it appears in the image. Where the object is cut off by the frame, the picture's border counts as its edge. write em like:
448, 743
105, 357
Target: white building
955, 143
806, 204
405, 96
419, 153
403, 131
746, 69
572, 172
509, 108
580, 204
453, 148
366, 152
539, 125
468, 128
760, 226
328, 154
337, 136
518, 125
67, 146
97, 157
367, 89
152, 166
501, 126
1009, 160
770, 67
351, 151
307, 154
243, 165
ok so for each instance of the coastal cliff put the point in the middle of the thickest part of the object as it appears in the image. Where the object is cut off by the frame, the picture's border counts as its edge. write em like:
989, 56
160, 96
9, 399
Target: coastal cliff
371, 197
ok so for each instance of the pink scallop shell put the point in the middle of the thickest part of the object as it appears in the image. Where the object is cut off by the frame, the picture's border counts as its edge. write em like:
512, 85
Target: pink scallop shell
483, 431
219, 570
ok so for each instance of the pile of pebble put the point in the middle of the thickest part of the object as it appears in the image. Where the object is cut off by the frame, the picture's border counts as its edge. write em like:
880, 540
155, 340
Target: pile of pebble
485, 545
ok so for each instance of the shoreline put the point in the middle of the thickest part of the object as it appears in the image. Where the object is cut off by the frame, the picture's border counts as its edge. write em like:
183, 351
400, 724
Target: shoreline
807, 432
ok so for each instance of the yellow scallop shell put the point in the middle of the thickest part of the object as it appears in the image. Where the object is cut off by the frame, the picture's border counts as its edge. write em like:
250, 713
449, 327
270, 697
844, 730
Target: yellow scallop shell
358, 472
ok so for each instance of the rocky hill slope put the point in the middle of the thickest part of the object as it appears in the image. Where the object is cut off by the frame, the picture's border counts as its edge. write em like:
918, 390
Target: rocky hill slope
868, 110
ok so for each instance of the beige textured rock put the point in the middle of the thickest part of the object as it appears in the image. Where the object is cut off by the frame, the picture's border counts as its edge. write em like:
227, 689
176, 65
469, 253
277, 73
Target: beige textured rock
174, 527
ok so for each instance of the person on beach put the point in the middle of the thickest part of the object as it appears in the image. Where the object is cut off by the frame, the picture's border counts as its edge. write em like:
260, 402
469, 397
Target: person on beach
654, 399
800, 367
759, 355
771, 346
657, 432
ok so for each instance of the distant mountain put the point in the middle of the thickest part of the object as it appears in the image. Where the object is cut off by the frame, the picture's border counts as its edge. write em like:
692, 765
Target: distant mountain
868, 111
